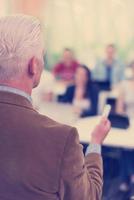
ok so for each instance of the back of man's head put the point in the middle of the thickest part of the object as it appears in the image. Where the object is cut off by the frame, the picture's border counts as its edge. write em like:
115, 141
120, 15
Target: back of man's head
20, 41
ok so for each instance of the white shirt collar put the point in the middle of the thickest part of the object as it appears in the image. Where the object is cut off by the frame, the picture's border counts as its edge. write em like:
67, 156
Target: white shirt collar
16, 91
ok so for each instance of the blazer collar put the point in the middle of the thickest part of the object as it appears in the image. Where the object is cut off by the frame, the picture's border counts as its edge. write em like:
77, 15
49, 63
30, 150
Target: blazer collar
15, 99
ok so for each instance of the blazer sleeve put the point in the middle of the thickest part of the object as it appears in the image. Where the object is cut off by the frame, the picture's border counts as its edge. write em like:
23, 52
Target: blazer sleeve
81, 177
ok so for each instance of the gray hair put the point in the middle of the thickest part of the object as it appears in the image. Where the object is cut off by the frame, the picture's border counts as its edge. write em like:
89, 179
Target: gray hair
20, 40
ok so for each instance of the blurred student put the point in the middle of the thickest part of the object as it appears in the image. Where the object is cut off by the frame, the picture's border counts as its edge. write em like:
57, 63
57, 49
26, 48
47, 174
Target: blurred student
125, 105
66, 68
83, 94
110, 69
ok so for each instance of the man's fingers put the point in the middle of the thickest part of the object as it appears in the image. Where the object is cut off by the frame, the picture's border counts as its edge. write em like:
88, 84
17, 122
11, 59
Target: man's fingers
104, 120
105, 123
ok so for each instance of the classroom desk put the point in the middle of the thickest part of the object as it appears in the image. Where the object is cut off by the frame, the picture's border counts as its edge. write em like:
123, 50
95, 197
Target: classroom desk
116, 137
59, 112
64, 114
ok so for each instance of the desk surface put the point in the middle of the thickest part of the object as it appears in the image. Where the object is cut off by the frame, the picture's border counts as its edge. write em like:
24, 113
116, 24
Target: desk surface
59, 112
116, 137
64, 114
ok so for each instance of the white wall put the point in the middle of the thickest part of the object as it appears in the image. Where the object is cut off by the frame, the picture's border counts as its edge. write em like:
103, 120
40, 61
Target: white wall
85, 25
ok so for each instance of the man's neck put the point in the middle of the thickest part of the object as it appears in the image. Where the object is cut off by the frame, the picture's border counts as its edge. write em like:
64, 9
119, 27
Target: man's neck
20, 85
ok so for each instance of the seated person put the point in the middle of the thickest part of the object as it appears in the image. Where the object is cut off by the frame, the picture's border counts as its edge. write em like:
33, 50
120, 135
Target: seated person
109, 69
66, 68
83, 94
125, 105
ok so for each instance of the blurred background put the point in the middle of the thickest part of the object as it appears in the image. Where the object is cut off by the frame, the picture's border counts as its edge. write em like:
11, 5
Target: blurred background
89, 62
84, 25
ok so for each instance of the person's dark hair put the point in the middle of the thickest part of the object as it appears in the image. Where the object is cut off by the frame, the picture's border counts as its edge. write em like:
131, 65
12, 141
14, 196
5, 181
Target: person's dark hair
89, 80
88, 72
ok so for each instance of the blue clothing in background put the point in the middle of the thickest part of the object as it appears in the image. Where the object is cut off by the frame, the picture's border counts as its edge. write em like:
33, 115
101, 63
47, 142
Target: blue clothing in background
91, 94
109, 74
126, 165
114, 73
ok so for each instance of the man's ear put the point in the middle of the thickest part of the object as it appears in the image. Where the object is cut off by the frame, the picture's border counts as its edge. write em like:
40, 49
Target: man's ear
32, 66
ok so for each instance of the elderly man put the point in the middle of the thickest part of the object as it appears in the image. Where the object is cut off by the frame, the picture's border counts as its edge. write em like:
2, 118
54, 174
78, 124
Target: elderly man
40, 159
